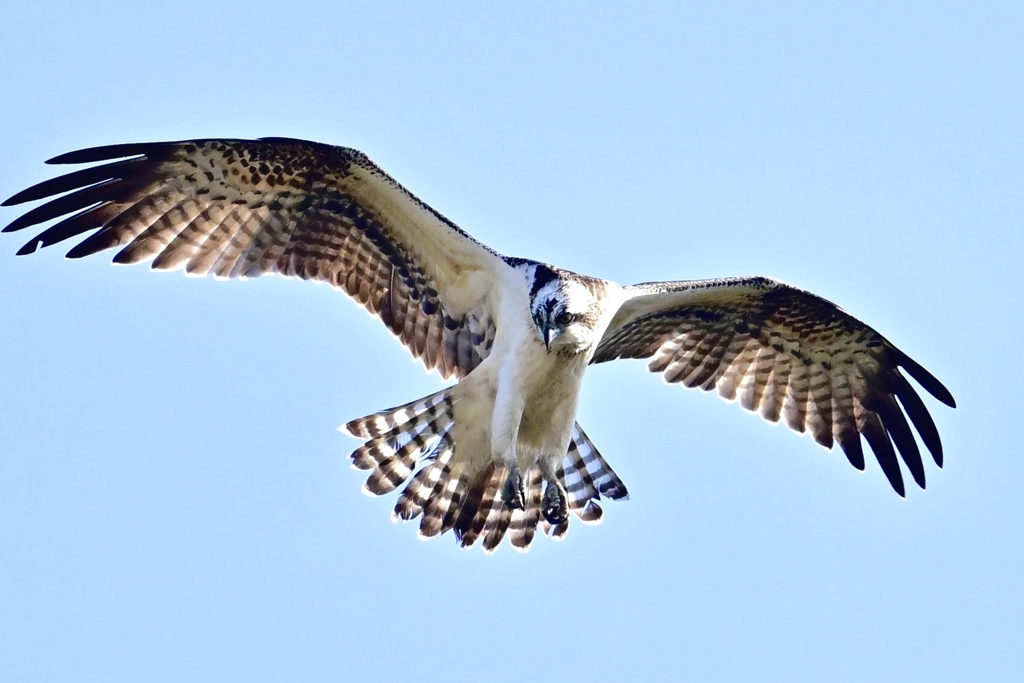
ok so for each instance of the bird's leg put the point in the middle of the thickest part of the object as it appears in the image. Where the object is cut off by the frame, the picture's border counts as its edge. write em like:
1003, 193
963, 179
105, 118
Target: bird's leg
512, 493
554, 504
508, 414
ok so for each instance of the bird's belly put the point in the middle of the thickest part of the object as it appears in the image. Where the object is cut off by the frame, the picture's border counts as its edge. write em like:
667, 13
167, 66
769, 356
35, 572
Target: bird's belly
551, 394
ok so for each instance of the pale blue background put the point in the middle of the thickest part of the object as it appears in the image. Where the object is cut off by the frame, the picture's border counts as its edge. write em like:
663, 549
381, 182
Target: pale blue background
176, 505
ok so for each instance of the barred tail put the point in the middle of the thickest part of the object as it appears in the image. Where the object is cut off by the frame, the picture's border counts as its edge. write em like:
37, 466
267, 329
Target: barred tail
415, 438
586, 477
386, 421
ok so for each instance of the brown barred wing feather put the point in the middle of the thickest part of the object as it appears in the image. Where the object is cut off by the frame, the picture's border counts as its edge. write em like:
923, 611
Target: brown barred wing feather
244, 208
787, 354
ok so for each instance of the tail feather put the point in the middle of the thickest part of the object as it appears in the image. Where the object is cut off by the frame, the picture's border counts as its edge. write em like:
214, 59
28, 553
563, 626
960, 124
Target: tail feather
388, 420
483, 505
458, 497
437, 504
596, 477
443, 508
492, 516
428, 482
403, 441
555, 531
446, 497
393, 455
498, 520
390, 474
586, 477
475, 498
590, 513
395, 459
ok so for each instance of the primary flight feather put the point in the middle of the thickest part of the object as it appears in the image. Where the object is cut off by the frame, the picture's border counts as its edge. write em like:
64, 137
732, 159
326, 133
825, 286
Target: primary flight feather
499, 452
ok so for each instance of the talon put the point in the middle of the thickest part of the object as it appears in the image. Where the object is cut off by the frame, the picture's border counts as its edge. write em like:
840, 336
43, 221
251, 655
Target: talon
512, 493
554, 505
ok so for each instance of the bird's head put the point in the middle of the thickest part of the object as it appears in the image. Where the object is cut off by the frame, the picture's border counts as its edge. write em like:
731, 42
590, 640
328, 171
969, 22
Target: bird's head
564, 312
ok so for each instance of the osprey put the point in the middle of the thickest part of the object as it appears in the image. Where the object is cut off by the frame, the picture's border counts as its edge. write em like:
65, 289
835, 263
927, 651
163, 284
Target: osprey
499, 452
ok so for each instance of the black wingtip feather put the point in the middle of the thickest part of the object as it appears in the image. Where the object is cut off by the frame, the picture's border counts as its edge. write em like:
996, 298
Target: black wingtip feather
878, 438
926, 379
72, 181
76, 201
854, 451
899, 431
84, 221
29, 247
107, 152
919, 416
292, 141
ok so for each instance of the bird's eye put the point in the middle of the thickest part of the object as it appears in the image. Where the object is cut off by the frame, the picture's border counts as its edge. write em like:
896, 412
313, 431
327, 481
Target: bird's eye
563, 318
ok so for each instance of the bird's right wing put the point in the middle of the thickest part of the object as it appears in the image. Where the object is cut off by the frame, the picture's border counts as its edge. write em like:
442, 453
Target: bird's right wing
243, 208
786, 353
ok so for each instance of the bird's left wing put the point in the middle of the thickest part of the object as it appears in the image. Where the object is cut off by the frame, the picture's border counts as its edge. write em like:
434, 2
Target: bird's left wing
786, 353
242, 208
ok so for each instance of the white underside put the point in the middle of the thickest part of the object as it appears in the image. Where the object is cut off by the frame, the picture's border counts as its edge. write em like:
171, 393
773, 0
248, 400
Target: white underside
516, 407
519, 404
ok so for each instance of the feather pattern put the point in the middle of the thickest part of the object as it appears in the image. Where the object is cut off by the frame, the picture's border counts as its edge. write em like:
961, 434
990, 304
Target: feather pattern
245, 208
786, 354
417, 435
586, 476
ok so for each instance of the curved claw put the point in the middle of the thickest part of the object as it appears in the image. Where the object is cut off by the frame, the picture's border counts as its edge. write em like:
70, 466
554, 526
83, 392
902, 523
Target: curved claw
512, 493
554, 504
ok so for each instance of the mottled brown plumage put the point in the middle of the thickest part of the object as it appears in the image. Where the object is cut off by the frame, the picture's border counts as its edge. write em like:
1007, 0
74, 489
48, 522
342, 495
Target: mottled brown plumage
244, 208
499, 453
785, 353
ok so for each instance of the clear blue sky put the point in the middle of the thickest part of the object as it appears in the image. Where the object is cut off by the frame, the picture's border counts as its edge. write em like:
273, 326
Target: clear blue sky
176, 505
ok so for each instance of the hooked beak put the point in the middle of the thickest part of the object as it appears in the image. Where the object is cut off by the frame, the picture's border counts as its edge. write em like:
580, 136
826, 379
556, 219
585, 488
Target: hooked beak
546, 333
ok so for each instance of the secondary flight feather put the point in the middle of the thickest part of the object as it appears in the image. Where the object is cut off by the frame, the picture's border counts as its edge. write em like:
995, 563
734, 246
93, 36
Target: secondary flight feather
499, 452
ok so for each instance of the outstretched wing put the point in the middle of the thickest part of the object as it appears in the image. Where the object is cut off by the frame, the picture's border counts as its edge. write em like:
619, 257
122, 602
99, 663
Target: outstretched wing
786, 353
242, 208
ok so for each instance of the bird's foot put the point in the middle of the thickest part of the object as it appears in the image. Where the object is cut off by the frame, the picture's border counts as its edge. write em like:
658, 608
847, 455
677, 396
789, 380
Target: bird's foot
512, 493
554, 504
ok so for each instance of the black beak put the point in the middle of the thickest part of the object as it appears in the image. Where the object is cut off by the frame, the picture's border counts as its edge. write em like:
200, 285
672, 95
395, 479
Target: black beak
546, 331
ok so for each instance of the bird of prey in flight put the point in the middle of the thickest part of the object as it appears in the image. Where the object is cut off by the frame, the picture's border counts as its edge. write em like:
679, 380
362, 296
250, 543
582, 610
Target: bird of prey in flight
499, 452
